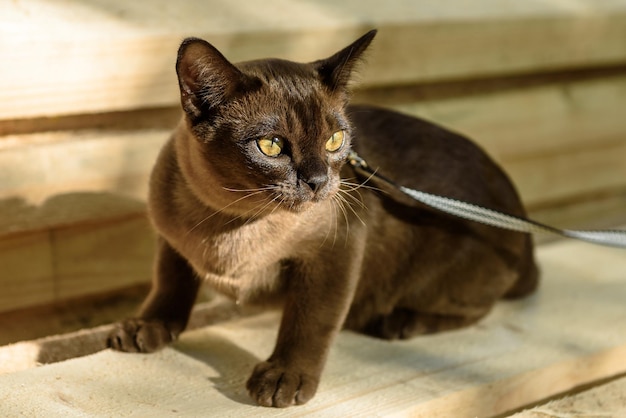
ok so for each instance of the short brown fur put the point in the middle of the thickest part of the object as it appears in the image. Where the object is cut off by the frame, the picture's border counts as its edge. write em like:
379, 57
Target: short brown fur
302, 230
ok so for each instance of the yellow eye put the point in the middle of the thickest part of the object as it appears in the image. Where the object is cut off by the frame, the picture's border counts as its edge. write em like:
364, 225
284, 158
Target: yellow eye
270, 146
335, 142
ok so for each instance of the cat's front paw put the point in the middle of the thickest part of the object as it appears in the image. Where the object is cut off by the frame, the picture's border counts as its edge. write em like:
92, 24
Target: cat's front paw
139, 336
274, 385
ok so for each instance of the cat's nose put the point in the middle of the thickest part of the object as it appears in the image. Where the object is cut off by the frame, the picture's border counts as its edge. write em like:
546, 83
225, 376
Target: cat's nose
315, 183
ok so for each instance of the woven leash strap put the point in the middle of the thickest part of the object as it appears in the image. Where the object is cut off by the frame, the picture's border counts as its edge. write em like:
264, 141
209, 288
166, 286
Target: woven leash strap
613, 238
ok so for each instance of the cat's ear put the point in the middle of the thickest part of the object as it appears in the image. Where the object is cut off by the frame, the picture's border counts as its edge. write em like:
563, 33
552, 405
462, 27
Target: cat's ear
335, 71
206, 78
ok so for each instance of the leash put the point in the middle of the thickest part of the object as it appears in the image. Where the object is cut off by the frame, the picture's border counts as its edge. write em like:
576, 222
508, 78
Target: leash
612, 238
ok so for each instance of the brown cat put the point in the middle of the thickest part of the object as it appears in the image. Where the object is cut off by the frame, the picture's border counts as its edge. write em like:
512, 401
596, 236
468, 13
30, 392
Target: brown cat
252, 195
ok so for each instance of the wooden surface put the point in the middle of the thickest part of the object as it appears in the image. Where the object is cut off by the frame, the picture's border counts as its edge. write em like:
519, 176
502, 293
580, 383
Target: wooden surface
557, 140
73, 214
572, 333
607, 400
114, 55
43, 267
38, 167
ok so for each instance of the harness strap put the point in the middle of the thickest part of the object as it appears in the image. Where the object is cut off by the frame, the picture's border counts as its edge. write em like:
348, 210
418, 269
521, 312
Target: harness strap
465, 210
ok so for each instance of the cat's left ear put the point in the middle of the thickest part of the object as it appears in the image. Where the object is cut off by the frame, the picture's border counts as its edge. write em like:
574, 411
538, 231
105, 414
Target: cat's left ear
335, 71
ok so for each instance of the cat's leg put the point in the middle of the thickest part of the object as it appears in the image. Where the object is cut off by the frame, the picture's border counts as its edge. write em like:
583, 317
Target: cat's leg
317, 302
462, 292
165, 312
404, 323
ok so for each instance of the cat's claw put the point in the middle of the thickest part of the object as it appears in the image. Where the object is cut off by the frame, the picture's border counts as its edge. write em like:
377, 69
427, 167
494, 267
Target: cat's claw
273, 385
139, 336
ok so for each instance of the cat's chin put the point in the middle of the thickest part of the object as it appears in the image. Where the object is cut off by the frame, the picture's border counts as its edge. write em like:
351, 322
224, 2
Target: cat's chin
298, 207
301, 206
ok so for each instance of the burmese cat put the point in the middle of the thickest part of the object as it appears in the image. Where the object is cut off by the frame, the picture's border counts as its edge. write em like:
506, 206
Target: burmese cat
252, 195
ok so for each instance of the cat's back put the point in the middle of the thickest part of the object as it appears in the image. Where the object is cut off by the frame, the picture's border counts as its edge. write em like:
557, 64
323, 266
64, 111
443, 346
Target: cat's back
418, 154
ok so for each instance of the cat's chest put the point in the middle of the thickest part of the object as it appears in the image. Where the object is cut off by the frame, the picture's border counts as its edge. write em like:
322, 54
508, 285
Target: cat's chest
241, 252
240, 261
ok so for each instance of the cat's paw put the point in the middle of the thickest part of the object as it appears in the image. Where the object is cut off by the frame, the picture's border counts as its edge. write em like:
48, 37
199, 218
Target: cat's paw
139, 336
273, 385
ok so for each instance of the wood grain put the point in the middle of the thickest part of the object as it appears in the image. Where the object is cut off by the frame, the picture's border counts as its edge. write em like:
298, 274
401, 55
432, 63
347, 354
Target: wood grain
108, 56
45, 266
608, 400
26, 270
102, 257
38, 167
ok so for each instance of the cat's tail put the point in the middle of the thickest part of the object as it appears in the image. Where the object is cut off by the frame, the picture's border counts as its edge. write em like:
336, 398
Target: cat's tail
528, 279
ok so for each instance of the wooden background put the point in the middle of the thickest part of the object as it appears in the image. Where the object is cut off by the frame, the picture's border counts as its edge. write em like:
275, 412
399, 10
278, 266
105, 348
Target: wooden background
88, 94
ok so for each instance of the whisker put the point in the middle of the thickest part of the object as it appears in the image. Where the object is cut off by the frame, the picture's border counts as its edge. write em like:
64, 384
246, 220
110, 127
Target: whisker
343, 199
258, 189
342, 206
348, 193
330, 224
224, 208
282, 200
336, 204
356, 200
261, 209
338, 207
354, 186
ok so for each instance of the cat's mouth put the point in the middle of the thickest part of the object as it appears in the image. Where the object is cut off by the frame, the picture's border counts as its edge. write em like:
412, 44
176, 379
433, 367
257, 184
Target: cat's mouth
300, 199
301, 205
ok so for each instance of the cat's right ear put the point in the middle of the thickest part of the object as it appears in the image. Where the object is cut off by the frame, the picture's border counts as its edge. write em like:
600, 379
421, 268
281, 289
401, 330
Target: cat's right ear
206, 78
336, 70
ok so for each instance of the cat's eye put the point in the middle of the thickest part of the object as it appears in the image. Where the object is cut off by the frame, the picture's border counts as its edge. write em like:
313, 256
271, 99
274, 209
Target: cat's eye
335, 142
271, 146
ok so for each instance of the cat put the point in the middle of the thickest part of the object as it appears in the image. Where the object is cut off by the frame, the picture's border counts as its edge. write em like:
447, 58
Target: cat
252, 194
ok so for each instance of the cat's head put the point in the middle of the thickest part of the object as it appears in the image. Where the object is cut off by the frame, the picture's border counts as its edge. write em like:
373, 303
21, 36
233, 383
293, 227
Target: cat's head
266, 134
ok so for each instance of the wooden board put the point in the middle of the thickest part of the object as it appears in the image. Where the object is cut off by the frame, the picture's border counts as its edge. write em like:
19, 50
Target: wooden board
606, 400
38, 167
27, 272
101, 56
573, 332
43, 267
102, 257
520, 122
561, 176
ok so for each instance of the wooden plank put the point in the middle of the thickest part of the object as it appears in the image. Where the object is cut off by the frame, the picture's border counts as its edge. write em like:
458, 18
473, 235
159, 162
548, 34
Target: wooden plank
544, 179
72, 245
523, 122
522, 353
608, 400
123, 58
52, 265
26, 270
556, 141
39, 166
67, 317
97, 258
597, 211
